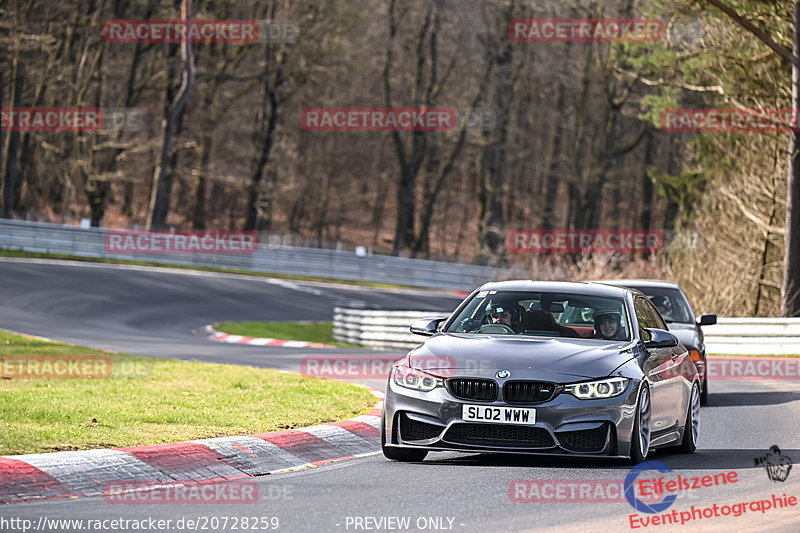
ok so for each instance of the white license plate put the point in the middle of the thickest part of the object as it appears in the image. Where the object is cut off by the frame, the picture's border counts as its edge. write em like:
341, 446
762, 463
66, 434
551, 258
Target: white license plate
498, 415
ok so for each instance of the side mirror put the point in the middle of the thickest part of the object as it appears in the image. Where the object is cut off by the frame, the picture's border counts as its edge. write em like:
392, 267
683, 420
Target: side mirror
660, 338
707, 319
426, 326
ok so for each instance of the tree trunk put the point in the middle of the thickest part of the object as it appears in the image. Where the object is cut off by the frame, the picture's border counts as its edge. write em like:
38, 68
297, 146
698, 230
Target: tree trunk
162, 180
769, 245
13, 145
199, 213
492, 170
265, 134
270, 106
790, 292
410, 158
575, 186
492, 167
3, 201
99, 192
646, 204
5, 198
553, 177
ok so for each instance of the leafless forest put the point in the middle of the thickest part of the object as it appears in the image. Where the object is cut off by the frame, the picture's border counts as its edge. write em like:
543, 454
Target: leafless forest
577, 140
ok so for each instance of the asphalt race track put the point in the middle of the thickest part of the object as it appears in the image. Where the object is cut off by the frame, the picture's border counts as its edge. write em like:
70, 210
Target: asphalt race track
154, 312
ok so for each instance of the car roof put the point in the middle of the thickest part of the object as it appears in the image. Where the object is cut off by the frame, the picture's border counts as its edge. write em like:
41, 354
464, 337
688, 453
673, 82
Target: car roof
640, 283
582, 287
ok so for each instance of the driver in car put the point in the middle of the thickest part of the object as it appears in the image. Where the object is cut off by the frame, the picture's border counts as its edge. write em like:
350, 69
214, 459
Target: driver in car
501, 313
663, 305
607, 326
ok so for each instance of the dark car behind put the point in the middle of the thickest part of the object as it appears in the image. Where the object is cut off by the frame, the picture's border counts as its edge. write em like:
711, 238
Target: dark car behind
676, 311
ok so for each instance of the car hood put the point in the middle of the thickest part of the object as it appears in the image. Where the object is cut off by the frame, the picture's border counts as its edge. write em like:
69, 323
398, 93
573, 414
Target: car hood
552, 359
686, 333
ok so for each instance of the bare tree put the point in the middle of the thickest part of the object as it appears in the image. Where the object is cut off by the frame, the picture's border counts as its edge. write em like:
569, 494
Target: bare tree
410, 153
790, 291
493, 165
271, 100
162, 178
13, 142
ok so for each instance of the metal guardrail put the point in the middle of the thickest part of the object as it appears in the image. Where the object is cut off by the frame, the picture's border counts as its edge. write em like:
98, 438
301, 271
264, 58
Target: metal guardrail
736, 336
378, 329
88, 242
753, 336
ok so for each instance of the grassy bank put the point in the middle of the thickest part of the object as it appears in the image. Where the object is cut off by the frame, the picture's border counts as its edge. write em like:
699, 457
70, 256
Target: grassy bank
150, 401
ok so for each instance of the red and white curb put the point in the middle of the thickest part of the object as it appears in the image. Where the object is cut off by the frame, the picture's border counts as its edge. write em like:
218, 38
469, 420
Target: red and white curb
218, 336
76, 474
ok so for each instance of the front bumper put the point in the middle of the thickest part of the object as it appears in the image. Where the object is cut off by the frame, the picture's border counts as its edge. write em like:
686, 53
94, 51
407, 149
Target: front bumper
564, 425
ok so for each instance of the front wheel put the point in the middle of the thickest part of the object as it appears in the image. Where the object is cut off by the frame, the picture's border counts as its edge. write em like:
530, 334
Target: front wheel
640, 439
403, 455
691, 430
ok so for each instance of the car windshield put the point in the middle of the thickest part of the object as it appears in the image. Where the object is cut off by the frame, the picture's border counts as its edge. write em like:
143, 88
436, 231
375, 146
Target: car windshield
670, 303
543, 314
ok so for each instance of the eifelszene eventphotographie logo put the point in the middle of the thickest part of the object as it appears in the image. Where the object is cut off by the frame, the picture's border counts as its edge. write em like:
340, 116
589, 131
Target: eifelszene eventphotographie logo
775, 463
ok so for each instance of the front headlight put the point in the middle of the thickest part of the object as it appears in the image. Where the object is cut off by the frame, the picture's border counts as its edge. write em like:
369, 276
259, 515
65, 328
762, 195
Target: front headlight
411, 378
604, 388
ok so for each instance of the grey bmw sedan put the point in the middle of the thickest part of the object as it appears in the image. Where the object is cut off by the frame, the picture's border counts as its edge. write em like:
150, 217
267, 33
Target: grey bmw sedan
516, 369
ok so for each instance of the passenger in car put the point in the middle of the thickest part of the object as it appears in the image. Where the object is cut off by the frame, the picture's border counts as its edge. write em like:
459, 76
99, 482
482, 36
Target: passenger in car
607, 326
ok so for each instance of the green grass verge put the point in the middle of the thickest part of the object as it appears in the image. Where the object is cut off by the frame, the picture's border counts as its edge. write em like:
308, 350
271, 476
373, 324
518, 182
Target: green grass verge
152, 401
290, 331
296, 277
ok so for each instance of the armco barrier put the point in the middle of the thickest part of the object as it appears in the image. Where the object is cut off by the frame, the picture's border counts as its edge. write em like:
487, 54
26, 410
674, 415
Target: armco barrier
379, 329
753, 336
88, 242
738, 336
